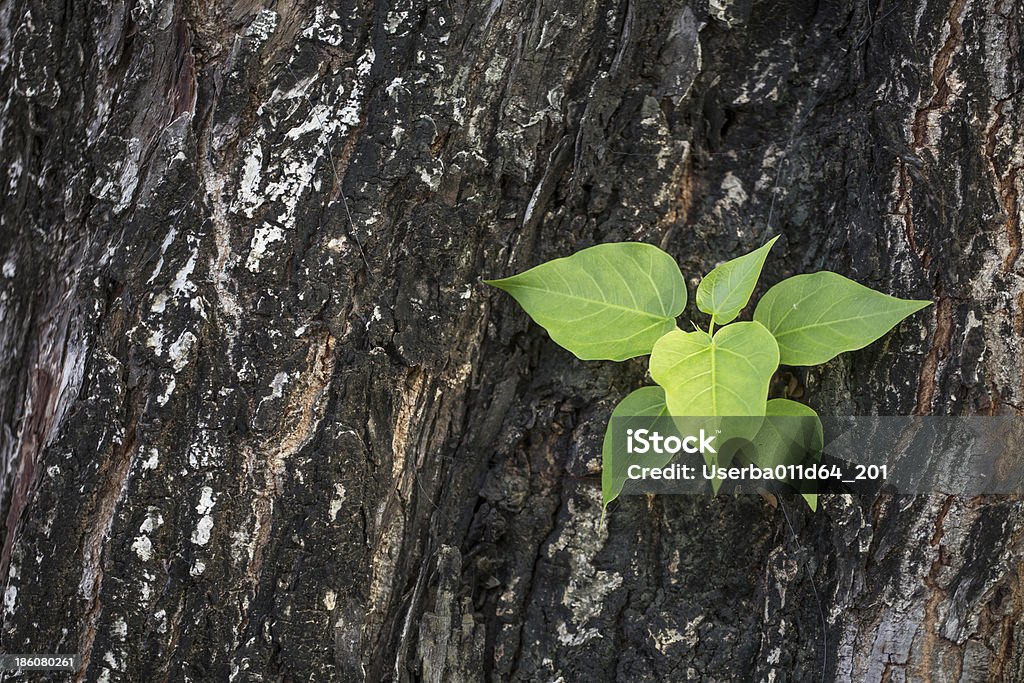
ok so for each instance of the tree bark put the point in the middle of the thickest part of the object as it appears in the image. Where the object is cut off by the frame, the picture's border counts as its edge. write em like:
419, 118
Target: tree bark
261, 420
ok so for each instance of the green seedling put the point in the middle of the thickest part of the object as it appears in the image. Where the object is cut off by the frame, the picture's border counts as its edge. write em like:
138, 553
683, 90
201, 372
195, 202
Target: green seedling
621, 300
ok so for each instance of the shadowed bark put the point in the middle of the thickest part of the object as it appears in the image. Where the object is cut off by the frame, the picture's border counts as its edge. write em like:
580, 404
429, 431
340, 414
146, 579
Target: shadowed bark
260, 420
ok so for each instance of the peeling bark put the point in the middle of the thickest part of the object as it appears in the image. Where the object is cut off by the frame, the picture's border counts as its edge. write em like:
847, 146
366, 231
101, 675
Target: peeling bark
262, 421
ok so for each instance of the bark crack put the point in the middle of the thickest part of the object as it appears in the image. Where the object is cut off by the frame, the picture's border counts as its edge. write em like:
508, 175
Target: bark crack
939, 101
928, 379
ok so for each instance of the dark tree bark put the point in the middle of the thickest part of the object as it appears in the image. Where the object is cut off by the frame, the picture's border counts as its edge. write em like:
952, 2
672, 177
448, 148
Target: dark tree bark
261, 420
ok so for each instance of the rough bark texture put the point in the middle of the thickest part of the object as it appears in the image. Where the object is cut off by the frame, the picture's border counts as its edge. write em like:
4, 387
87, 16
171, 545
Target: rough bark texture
259, 419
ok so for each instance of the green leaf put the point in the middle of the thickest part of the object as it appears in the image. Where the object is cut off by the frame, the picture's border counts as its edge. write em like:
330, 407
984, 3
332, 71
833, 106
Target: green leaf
797, 431
724, 291
816, 317
783, 407
787, 441
723, 375
609, 302
727, 374
644, 402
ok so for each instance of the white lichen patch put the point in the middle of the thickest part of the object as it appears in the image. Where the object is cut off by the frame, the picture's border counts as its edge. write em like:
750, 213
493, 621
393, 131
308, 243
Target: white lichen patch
156, 342
394, 21
277, 385
431, 177
142, 545
146, 586
168, 238
160, 616
201, 534
10, 599
312, 124
262, 27
262, 237
181, 284
773, 156
241, 548
759, 90
722, 10
206, 501
735, 194
120, 628
179, 349
152, 521
325, 27
152, 461
119, 186
588, 588
159, 303
330, 600
163, 398
249, 198
666, 638
688, 636
577, 638
329, 109
375, 316
339, 498
396, 85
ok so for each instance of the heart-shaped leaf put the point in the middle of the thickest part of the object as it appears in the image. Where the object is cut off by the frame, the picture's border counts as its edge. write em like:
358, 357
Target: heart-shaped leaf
644, 402
816, 317
724, 291
727, 374
609, 302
